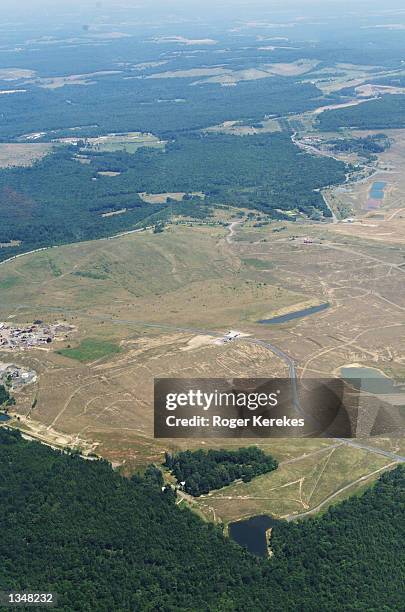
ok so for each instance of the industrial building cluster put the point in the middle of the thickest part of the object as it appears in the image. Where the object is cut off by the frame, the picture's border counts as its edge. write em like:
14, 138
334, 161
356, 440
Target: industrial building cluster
15, 377
36, 335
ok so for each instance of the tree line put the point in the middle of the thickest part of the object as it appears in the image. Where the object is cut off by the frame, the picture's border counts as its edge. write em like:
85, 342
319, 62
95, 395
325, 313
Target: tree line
6, 399
103, 542
204, 470
59, 200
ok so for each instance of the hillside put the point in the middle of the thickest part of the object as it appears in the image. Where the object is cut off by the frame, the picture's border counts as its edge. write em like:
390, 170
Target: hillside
58, 200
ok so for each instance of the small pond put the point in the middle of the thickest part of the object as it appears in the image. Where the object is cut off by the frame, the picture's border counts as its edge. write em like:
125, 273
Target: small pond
251, 533
377, 190
371, 380
298, 314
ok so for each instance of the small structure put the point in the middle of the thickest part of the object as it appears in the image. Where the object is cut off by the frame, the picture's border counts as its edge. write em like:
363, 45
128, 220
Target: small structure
16, 376
231, 335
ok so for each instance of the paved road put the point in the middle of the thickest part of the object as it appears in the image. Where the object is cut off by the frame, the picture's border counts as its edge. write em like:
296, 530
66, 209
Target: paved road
374, 449
290, 364
294, 380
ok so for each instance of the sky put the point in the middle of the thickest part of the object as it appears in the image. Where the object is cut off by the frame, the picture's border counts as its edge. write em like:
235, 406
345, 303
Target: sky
21, 6
26, 11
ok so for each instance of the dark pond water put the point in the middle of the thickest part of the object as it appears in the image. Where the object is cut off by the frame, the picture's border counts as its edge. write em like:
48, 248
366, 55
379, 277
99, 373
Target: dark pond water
299, 314
4, 417
251, 533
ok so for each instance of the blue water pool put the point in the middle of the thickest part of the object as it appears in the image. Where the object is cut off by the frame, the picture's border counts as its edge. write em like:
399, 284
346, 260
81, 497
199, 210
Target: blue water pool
377, 190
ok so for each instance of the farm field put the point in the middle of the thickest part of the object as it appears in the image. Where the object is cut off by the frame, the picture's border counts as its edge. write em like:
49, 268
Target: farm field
162, 198
129, 143
19, 154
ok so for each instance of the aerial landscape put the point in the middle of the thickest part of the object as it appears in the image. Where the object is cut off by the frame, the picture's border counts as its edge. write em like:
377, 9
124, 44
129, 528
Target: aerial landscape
200, 192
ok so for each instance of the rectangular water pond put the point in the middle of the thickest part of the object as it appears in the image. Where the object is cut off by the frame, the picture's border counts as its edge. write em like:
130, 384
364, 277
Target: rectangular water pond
298, 314
379, 185
377, 190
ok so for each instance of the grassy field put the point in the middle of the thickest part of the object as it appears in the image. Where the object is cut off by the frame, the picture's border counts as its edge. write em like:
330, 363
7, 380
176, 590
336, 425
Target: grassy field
90, 350
8, 282
130, 142
161, 198
226, 76
343, 76
297, 486
259, 264
184, 276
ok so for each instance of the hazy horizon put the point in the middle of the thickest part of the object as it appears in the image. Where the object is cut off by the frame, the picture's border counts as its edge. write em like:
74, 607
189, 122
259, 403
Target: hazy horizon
28, 7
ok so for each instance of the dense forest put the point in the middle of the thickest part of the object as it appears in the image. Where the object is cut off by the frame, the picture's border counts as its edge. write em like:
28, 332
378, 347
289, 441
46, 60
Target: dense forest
125, 103
104, 543
126, 99
5, 397
202, 470
384, 113
59, 200
366, 147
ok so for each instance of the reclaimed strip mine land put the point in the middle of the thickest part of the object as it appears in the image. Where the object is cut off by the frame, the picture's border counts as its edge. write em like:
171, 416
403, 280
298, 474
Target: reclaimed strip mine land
201, 196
